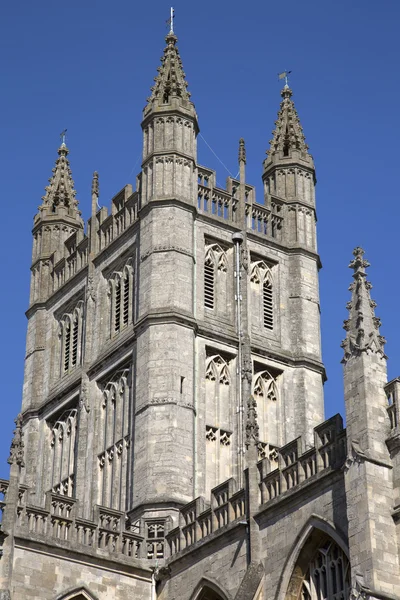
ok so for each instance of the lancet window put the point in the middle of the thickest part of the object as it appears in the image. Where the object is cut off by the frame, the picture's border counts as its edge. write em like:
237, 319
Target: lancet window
265, 392
114, 442
218, 408
263, 296
70, 333
121, 291
328, 575
63, 452
215, 278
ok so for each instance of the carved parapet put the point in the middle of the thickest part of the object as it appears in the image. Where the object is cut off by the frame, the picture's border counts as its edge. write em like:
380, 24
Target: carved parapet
296, 467
58, 522
198, 521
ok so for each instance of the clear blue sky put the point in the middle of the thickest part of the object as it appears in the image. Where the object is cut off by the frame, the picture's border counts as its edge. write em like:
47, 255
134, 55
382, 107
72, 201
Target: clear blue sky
88, 65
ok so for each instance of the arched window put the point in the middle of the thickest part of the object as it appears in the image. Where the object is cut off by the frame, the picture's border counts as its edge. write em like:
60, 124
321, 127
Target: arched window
114, 442
263, 296
63, 452
322, 570
70, 333
121, 291
265, 392
81, 594
215, 278
219, 419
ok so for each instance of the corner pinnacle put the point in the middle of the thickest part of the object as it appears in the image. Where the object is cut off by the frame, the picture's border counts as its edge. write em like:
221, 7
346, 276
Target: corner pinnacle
362, 326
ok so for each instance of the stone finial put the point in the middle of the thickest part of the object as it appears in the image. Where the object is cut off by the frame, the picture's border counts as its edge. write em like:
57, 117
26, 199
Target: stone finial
61, 191
242, 151
17, 444
252, 428
362, 326
95, 184
170, 81
288, 133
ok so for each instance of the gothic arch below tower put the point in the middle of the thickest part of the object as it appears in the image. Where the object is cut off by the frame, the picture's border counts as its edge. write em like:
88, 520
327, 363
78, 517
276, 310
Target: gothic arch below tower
81, 593
207, 589
317, 535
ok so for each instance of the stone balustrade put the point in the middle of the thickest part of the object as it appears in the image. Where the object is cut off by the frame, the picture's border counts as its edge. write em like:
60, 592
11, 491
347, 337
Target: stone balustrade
58, 520
198, 520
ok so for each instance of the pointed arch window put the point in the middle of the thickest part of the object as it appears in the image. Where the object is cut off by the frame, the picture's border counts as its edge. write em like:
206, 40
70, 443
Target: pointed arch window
265, 392
70, 333
262, 280
121, 291
219, 418
215, 277
63, 452
114, 441
328, 574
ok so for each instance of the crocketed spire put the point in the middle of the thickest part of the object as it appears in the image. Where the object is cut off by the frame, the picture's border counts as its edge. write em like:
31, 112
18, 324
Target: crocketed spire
60, 192
362, 326
288, 133
170, 82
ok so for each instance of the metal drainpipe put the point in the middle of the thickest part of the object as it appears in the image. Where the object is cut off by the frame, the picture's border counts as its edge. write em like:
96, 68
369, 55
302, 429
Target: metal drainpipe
194, 361
237, 239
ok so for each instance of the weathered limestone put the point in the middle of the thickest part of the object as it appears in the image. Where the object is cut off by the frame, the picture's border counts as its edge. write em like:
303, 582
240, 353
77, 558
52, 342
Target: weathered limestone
172, 440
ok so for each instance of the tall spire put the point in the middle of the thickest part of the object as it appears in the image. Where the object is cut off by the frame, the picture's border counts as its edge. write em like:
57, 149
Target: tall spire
170, 84
362, 326
288, 133
60, 193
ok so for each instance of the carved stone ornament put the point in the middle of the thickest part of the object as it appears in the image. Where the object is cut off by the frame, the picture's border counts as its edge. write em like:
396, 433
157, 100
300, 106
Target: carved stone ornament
242, 151
95, 184
90, 289
252, 428
356, 455
17, 444
362, 326
247, 363
84, 398
359, 591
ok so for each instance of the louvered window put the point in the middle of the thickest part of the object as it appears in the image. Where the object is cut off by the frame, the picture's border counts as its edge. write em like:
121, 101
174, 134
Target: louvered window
209, 276
71, 326
121, 291
268, 307
126, 301
75, 328
117, 314
67, 346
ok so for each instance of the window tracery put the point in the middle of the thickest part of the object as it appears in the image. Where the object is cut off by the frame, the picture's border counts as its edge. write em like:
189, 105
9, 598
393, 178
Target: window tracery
218, 406
63, 452
328, 575
265, 392
262, 280
114, 441
215, 270
121, 291
70, 334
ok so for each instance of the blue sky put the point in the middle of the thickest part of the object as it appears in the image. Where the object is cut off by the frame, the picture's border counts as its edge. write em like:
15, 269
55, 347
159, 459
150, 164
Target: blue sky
88, 65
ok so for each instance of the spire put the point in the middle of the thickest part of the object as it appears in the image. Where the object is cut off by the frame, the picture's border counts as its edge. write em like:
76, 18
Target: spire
60, 192
170, 83
17, 444
362, 326
288, 133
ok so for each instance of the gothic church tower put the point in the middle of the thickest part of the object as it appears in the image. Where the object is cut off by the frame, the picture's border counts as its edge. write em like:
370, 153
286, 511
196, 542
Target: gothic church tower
173, 391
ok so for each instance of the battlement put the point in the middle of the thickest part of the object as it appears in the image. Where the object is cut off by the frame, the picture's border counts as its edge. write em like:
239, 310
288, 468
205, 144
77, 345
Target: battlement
265, 220
279, 476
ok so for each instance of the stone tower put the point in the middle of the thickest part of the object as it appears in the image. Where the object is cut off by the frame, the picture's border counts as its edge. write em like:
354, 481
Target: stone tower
171, 442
